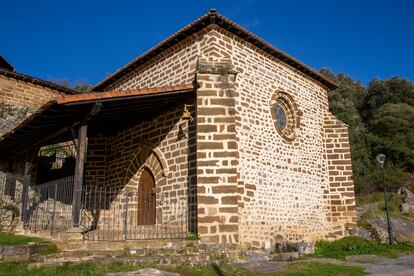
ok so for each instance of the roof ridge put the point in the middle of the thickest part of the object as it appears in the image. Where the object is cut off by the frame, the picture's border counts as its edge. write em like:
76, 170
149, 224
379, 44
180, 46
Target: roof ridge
34, 80
212, 17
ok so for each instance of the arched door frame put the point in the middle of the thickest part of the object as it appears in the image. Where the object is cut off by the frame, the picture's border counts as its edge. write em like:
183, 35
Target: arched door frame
146, 198
152, 159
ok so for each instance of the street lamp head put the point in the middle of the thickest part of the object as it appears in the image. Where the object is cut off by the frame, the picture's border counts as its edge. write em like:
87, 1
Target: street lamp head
381, 159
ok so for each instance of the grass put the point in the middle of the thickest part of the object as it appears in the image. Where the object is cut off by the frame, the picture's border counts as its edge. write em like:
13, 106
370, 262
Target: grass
10, 239
51, 249
394, 205
320, 269
186, 270
369, 199
98, 269
348, 246
192, 237
221, 269
64, 270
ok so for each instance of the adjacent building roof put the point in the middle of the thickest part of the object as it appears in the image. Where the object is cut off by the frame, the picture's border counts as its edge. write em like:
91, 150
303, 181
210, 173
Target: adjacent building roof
5, 64
7, 70
213, 17
119, 109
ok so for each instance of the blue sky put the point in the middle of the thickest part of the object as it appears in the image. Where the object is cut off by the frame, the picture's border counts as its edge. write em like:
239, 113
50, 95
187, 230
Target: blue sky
84, 41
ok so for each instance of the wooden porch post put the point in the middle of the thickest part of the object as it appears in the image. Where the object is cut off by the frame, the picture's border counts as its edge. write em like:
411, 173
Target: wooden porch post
78, 178
30, 157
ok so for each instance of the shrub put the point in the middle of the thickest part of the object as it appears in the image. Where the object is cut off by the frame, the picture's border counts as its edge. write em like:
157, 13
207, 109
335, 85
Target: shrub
9, 214
192, 236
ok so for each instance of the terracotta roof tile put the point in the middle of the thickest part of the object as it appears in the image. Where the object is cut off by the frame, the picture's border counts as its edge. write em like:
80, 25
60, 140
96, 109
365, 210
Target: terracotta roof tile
121, 94
30, 79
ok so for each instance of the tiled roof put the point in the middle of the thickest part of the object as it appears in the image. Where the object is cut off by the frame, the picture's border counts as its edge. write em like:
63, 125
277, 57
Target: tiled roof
213, 17
119, 109
121, 94
30, 79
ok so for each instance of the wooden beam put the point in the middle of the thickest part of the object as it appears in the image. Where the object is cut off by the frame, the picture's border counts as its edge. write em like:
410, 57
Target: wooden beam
30, 157
41, 141
80, 165
78, 177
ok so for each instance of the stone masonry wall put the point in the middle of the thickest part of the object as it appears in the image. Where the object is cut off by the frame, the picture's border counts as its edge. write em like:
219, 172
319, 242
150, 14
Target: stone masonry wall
282, 183
165, 145
95, 165
23, 94
21, 99
174, 66
341, 208
167, 132
217, 154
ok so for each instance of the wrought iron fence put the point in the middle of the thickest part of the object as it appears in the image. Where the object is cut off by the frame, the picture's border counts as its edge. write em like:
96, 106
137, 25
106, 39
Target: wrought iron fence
124, 214
49, 205
11, 187
106, 213
10, 200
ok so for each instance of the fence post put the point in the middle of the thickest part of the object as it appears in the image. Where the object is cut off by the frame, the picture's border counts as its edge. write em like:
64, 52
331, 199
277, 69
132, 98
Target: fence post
54, 210
126, 216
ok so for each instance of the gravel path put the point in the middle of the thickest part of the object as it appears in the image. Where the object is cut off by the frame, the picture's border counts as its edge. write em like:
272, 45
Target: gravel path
403, 265
373, 265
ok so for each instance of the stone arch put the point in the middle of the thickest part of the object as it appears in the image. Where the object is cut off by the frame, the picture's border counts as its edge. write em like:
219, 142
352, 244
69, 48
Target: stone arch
291, 114
150, 158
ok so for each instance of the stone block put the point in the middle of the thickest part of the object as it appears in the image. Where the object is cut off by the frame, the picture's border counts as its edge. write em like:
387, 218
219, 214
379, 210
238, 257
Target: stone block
256, 256
304, 248
288, 256
16, 258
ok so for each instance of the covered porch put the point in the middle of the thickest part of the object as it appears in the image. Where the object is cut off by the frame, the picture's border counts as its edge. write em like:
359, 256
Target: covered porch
113, 165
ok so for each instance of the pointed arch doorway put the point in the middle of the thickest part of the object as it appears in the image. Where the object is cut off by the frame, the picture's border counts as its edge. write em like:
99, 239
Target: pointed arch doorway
146, 214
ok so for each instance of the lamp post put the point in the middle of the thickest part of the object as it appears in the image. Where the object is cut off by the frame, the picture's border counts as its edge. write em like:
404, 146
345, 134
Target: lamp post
381, 159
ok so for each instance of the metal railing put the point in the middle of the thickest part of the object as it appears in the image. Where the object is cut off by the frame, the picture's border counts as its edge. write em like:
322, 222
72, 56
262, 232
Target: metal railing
125, 214
11, 187
10, 200
106, 213
50, 205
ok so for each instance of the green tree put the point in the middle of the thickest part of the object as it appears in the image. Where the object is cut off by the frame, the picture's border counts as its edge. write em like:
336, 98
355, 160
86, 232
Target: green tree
381, 120
388, 112
83, 88
380, 92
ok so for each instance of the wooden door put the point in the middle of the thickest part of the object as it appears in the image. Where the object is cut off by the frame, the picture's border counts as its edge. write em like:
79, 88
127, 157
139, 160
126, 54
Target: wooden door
146, 199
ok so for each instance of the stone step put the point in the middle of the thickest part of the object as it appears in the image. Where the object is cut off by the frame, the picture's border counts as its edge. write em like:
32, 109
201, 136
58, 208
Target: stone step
163, 252
135, 260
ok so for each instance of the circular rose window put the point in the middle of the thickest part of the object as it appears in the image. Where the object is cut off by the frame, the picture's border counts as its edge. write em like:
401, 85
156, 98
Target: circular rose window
285, 115
280, 117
